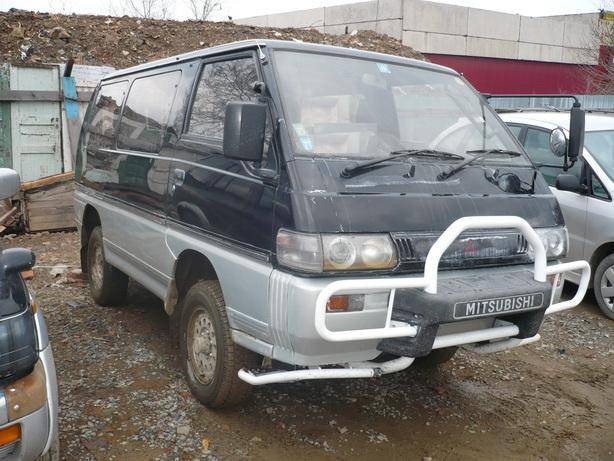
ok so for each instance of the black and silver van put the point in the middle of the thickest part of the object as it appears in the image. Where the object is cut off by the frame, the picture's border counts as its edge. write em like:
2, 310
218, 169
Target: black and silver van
341, 213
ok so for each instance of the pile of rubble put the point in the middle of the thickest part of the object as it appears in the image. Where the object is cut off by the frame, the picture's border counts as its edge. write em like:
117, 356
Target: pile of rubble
125, 41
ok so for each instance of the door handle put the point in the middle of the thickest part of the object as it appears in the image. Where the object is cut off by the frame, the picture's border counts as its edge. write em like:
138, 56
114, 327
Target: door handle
179, 176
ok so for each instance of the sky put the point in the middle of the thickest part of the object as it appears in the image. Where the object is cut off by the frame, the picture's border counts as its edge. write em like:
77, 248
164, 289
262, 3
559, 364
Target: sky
245, 8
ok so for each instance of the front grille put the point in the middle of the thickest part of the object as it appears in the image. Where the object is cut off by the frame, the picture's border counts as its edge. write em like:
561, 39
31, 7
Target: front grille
471, 249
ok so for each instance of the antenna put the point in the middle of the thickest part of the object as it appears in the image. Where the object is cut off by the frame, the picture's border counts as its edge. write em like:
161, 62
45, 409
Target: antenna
261, 55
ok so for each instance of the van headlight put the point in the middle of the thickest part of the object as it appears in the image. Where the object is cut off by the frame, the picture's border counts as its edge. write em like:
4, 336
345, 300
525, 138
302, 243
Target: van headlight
335, 252
555, 240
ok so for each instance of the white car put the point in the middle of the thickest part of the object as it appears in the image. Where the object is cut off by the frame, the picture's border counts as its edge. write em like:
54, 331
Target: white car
584, 192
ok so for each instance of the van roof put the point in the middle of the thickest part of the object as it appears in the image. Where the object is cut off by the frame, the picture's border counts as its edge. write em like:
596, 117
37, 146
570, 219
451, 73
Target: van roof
275, 44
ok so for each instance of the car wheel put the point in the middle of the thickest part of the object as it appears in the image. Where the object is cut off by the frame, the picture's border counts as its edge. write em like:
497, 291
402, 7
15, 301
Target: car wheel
436, 357
210, 358
603, 286
108, 285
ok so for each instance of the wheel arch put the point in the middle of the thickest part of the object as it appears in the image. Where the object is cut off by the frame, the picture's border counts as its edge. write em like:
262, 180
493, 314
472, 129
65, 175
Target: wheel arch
190, 266
599, 254
91, 219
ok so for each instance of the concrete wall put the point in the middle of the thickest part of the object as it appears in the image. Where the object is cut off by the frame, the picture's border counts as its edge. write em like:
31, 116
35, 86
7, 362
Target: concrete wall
449, 29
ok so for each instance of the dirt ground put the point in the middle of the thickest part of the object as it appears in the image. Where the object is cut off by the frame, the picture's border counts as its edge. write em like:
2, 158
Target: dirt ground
122, 395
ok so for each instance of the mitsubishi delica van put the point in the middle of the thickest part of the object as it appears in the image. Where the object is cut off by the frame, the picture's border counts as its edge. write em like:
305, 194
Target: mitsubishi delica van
326, 212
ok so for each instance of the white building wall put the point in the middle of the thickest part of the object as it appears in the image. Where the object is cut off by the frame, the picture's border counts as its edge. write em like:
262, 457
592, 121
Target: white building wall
432, 27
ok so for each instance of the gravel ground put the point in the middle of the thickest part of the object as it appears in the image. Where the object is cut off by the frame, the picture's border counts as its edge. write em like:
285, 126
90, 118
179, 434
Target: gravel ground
122, 395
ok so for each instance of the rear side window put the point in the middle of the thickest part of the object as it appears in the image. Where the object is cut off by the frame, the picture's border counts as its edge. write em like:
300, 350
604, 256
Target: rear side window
220, 83
146, 112
105, 114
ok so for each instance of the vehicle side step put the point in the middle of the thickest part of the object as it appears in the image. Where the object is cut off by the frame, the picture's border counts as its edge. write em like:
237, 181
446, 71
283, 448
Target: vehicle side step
350, 370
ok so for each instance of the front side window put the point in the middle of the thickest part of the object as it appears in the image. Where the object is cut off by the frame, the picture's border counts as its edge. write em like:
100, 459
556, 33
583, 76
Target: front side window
220, 83
355, 108
537, 145
601, 146
146, 113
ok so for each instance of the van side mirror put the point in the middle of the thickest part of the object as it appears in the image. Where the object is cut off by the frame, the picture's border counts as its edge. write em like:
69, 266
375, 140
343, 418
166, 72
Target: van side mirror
558, 142
244, 130
16, 260
576, 133
568, 182
9, 183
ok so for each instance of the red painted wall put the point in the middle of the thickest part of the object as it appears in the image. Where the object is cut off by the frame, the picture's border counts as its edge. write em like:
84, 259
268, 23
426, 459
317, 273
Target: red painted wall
492, 75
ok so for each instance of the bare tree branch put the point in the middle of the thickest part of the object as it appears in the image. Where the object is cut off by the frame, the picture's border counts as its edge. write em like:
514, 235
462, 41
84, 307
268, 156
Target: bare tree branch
600, 49
146, 9
202, 9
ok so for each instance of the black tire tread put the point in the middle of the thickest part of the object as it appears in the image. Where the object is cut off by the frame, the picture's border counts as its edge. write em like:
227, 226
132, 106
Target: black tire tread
229, 389
115, 283
601, 268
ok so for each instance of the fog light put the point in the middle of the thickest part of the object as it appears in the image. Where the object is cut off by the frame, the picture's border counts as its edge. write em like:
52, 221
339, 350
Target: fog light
10, 434
345, 303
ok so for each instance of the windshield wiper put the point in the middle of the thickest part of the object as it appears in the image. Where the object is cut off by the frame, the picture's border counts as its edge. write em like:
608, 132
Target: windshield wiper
348, 172
479, 153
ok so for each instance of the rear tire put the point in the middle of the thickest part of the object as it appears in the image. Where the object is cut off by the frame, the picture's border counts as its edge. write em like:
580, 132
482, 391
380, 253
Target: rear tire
436, 357
210, 358
108, 285
603, 286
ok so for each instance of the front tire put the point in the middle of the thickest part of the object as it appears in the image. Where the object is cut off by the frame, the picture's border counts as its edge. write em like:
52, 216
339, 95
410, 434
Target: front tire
108, 285
603, 286
210, 358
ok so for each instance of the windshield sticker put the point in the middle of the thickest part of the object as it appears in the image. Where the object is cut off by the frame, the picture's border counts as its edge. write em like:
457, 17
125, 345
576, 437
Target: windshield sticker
306, 142
299, 129
383, 68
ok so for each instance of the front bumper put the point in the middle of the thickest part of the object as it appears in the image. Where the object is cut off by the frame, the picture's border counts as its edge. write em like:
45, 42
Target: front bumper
304, 333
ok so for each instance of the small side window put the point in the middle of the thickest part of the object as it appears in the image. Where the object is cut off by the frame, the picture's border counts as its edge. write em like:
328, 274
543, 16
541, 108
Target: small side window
145, 115
105, 114
515, 129
597, 188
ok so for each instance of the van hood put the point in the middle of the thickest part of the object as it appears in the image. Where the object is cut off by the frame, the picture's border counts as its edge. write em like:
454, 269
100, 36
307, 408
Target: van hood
407, 196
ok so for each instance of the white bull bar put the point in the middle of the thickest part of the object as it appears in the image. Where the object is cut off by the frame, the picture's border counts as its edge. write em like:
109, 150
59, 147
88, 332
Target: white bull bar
501, 333
428, 281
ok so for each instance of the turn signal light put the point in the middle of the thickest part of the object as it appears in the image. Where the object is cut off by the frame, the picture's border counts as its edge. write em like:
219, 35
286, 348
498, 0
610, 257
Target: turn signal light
10, 434
345, 303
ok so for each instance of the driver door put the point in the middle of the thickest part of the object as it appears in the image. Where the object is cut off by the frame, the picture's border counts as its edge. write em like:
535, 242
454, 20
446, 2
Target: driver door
536, 142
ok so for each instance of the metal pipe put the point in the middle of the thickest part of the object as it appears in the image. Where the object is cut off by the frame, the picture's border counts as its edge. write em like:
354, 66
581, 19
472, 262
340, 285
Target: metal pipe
352, 370
499, 346
476, 336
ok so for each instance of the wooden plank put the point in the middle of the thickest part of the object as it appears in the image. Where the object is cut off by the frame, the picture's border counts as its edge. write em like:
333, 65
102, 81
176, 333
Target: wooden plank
5, 217
48, 181
50, 196
51, 224
48, 204
68, 210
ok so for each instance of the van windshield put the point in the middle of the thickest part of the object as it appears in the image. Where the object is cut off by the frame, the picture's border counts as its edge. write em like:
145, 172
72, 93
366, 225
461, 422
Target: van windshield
347, 107
601, 145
